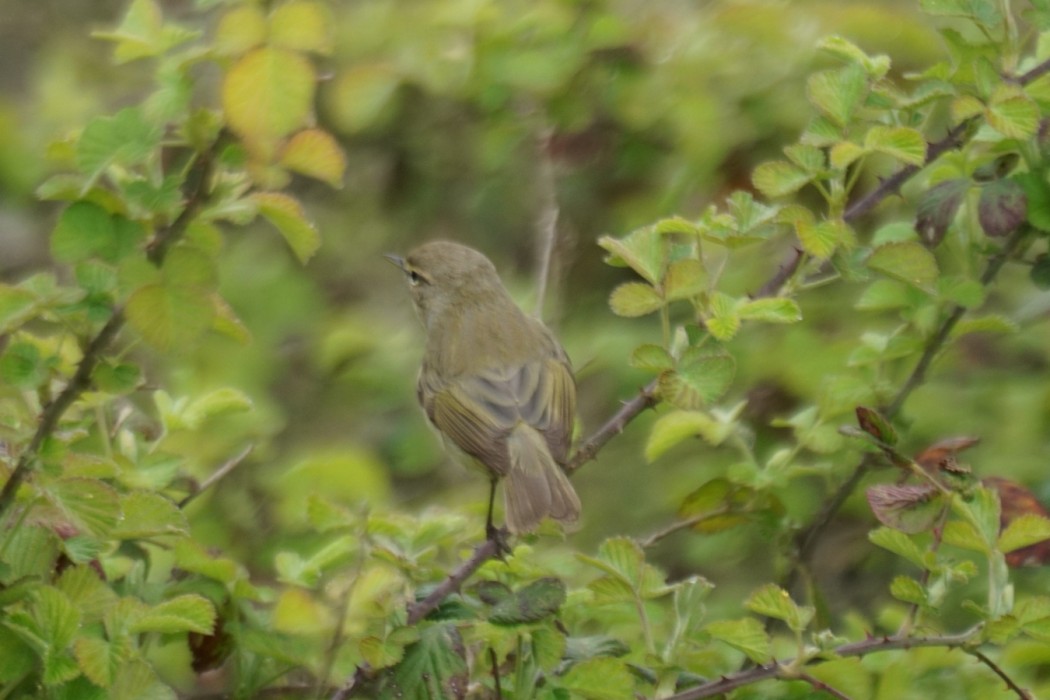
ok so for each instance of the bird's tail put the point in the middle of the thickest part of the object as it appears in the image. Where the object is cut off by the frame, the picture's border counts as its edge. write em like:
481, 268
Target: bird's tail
535, 487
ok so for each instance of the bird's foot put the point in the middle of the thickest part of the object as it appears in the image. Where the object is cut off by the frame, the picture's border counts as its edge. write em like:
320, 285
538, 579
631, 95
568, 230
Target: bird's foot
499, 536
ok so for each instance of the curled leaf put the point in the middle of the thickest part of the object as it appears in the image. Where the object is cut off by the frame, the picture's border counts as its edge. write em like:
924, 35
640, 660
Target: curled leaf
910, 508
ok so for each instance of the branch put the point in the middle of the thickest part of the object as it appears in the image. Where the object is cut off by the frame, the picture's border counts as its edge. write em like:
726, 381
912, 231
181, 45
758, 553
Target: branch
646, 398
219, 474
821, 686
81, 379
485, 551
53, 411
756, 674
1021, 692
547, 220
807, 538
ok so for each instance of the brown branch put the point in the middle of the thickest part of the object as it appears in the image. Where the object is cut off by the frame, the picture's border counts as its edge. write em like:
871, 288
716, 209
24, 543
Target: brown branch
646, 398
54, 410
81, 379
807, 538
772, 287
218, 475
1021, 692
485, 551
764, 672
820, 686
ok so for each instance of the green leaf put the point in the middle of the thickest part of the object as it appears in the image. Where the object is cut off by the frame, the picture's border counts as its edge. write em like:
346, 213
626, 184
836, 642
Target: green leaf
674, 427
116, 379
167, 316
982, 509
723, 321
630, 578
1002, 207
778, 178
875, 66
899, 543
148, 514
838, 93
991, 323
685, 278
905, 144
770, 310
773, 601
1025, 530
22, 367
1040, 272
31, 551
187, 266
746, 635
907, 262
908, 590
822, 238
126, 139
303, 26
268, 94
144, 33
1037, 192
86, 230
632, 299
600, 678
532, 603
875, 424
315, 153
221, 402
652, 357
643, 250
16, 307
1012, 113
136, 680
548, 647
287, 215
845, 153
98, 660
87, 591
699, 380
184, 613
89, 504
433, 668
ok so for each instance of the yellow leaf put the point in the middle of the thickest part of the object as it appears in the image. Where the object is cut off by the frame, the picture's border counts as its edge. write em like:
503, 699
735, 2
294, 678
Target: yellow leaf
315, 153
286, 213
267, 95
240, 29
303, 26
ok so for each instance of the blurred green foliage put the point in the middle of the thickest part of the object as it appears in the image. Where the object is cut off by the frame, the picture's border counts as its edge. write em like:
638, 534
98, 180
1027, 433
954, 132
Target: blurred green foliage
458, 119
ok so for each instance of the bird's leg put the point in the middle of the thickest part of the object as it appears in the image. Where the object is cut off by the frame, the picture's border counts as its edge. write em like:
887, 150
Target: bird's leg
493, 533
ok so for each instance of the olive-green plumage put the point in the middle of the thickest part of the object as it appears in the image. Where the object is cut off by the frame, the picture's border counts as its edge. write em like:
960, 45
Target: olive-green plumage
494, 381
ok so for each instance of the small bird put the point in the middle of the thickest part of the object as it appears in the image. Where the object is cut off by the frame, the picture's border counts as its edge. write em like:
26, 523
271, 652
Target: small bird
494, 382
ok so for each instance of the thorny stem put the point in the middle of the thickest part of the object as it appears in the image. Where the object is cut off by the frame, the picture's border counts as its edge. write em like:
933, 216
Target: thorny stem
646, 398
821, 686
81, 379
807, 538
219, 474
873, 645
485, 551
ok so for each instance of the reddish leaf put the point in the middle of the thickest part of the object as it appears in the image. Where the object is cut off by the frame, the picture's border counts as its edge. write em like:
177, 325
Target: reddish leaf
908, 508
1003, 207
937, 208
1015, 501
874, 424
940, 456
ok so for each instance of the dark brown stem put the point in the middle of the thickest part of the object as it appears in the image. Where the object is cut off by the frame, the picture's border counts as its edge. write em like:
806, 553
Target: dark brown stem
53, 411
485, 551
756, 674
646, 398
219, 474
822, 686
81, 379
1021, 692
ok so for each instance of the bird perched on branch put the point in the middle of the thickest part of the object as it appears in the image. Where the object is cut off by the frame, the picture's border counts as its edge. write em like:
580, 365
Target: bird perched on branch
495, 383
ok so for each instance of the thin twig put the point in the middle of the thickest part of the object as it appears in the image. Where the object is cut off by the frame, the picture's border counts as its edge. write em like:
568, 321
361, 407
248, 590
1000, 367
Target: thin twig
485, 551
768, 671
678, 525
547, 220
772, 287
51, 414
1021, 692
219, 474
808, 537
821, 686
646, 398
81, 379
495, 673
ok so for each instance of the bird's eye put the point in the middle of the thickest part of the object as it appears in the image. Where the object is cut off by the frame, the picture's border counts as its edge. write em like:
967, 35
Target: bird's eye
414, 278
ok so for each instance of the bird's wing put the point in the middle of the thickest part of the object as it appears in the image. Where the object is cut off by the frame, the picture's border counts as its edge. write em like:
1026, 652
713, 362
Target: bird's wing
477, 412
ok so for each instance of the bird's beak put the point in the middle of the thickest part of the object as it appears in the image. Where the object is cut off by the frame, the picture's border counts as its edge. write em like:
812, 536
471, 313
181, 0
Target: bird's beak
395, 259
